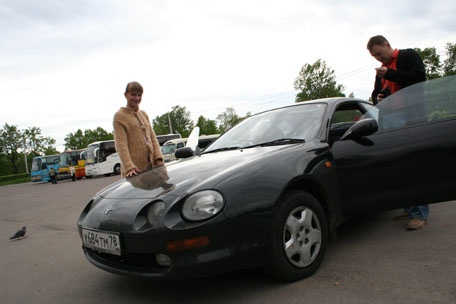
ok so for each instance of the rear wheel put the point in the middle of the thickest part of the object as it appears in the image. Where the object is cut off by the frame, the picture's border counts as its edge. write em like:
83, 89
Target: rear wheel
299, 237
117, 169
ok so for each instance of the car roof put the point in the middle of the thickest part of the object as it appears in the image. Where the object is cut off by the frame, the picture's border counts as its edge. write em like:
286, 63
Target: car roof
175, 141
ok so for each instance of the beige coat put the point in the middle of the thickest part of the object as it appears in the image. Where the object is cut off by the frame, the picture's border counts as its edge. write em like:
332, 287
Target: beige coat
135, 140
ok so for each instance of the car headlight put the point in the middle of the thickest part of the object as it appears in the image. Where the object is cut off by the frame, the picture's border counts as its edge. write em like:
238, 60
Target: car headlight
202, 205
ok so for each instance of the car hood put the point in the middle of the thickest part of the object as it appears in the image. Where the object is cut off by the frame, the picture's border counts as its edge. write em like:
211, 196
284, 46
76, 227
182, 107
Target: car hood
185, 175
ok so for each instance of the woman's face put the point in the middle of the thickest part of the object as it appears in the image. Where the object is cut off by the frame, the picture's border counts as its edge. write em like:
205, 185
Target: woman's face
133, 99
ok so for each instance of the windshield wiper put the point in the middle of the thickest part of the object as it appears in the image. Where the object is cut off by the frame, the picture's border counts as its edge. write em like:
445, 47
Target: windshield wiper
275, 142
222, 149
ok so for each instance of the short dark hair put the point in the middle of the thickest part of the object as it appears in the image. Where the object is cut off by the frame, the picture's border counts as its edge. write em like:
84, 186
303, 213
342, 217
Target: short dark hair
134, 86
376, 40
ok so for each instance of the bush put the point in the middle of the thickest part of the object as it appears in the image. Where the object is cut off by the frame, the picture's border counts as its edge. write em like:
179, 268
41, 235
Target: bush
13, 177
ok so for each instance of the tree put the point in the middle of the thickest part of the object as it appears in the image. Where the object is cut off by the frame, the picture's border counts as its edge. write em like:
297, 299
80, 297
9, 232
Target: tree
316, 81
431, 62
180, 121
449, 65
34, 143
228, 119
51, 150
207, 126
79, 140
11, 140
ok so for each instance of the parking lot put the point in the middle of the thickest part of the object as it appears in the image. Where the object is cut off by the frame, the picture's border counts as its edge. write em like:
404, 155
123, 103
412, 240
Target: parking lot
374, 260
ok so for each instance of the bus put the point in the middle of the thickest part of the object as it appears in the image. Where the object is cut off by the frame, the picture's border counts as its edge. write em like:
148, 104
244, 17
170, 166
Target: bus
171, 146
75, 158
41, 166
102, 159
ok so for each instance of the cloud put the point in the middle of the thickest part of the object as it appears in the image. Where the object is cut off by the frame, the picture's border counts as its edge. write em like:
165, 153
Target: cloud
65, 63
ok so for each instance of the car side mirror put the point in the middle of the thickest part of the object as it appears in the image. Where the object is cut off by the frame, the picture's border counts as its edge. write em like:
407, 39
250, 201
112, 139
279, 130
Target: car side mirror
360, 129
184, 152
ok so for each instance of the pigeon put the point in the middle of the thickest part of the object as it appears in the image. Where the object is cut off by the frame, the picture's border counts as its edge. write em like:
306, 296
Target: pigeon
19, 234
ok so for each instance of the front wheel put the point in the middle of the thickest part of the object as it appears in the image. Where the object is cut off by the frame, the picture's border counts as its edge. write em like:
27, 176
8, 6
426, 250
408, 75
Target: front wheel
299, 237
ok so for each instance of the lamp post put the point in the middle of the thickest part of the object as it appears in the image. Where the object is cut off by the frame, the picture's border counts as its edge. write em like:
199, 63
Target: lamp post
170, 126
25, 157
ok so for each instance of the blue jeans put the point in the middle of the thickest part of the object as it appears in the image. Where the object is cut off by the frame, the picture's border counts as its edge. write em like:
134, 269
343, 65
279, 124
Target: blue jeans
421, 211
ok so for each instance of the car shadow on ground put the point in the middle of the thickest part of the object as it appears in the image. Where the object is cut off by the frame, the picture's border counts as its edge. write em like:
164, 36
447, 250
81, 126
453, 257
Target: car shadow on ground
245, 283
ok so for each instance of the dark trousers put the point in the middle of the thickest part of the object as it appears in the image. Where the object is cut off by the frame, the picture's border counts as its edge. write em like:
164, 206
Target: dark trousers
73, 177
53, 179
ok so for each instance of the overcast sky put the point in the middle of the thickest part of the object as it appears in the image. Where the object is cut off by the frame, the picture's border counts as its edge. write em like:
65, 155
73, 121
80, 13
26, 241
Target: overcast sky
64, 64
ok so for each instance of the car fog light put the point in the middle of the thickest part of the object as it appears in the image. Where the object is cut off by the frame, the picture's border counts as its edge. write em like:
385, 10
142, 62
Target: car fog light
163, 260
155, 212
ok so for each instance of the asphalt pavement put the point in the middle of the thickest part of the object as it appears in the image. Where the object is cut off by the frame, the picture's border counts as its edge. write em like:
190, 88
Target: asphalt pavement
373, 260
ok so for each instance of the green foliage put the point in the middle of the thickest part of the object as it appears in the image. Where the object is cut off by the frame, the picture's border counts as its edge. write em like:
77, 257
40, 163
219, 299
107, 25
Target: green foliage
228, 119
316, 81
11, 140
5, 164
79, 140
207, 126
50, 150
35, 144
431, 62
449, 65
14, 179
433, 65
437, 115
181, 122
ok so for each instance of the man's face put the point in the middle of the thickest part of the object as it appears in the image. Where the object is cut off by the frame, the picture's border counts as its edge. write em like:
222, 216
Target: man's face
382, 53
133, 99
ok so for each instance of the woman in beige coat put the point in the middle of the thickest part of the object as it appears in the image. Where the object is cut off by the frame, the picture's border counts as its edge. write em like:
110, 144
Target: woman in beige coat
135, 139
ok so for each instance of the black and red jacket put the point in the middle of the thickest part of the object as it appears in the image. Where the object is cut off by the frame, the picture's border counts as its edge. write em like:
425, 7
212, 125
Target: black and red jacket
410, 70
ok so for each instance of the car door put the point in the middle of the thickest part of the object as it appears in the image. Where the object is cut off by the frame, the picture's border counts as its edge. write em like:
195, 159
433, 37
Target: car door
402, 164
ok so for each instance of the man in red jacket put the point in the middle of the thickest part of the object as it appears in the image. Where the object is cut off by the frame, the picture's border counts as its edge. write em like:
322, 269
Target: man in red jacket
399, 69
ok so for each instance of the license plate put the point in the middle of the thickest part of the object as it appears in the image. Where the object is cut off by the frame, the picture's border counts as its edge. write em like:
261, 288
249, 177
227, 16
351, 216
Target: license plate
108, 242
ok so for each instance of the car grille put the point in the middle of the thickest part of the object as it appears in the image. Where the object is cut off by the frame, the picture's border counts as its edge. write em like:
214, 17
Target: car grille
138, 262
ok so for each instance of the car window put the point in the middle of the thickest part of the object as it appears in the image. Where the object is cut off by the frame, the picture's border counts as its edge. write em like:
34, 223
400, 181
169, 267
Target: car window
344, 117
417, 104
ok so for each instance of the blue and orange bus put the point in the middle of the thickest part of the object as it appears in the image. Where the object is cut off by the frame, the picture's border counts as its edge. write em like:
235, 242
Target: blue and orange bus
41, 166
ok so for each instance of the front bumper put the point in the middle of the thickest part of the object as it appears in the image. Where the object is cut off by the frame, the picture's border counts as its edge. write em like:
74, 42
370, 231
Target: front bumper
184, 265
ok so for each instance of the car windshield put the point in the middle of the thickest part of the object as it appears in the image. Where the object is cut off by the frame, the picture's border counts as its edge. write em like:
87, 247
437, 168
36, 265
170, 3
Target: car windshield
417, 104
280, 126
168, 149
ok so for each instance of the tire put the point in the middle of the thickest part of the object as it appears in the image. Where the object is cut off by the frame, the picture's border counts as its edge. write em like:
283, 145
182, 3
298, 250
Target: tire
117, 169
89, 176
299, 237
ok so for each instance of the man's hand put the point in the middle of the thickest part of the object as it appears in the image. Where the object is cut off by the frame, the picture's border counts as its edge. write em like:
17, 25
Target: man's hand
159, 163
381, 71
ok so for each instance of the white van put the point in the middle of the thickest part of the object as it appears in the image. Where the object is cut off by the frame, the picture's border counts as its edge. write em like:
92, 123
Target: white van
171, 146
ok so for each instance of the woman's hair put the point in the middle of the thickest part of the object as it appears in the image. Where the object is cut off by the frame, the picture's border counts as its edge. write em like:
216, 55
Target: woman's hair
376, 40
134, 86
